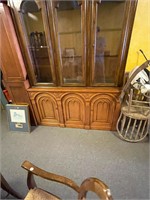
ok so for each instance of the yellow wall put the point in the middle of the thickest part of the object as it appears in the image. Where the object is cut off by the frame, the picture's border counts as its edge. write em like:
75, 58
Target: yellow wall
140, 38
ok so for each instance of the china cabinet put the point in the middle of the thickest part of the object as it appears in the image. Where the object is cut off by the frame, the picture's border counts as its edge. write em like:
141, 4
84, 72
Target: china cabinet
68, 58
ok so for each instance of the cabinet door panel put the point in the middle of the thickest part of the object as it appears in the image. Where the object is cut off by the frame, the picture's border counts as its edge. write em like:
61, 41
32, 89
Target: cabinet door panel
74, 110
47, 109
111, 30
108, 37
102, 110
71, 26
33, 29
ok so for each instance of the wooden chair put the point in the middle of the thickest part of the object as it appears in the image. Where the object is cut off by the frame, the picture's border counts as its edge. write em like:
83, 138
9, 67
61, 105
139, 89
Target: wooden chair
133, 123
35, 193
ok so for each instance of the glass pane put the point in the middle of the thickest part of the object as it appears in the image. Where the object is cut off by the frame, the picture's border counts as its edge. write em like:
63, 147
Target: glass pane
108, 34
69, 28
33, 25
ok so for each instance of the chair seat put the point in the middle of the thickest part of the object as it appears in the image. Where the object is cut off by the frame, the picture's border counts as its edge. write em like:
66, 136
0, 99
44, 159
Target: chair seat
136, 113
39, 194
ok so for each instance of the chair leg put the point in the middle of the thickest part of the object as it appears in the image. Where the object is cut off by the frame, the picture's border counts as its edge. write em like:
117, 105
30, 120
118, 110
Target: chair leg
5, 186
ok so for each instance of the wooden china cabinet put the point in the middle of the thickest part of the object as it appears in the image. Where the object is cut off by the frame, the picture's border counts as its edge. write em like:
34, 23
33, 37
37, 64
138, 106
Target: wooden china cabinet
68, 58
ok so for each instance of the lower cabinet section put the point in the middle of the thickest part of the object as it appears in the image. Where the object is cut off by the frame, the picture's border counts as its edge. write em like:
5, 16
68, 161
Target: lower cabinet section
76, 107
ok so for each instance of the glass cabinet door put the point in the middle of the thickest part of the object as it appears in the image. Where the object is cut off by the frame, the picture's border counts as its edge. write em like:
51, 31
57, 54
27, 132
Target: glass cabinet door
36, 39
74, 43
109, 26
71, 40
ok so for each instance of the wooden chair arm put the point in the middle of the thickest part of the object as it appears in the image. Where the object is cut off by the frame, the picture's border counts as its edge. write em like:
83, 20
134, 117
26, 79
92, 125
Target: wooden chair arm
141, 67
90, 184
33, 170
95, 185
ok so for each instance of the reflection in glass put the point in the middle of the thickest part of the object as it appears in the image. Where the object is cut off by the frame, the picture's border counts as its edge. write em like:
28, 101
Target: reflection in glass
37, 44
110, 17
99, 62
69, 28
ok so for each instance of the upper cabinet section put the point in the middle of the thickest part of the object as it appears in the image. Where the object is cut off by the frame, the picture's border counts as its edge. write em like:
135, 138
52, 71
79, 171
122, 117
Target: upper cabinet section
74, 43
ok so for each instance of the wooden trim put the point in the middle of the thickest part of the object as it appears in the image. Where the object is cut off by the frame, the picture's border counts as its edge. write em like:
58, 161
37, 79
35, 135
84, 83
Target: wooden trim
78, 89
93, 39
84, 41
88, 41
48, 40
125, 39
22, 42
52, 17
49, 176
9, 44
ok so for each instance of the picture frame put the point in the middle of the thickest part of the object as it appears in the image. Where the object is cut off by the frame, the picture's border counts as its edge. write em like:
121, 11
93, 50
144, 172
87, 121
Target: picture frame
18, 117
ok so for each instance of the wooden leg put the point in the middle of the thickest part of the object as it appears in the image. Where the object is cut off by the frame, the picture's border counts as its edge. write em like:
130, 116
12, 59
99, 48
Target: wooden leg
5, 186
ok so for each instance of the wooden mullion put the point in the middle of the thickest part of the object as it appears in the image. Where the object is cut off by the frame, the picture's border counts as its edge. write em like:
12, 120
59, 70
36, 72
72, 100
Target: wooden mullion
84, 39
49, 39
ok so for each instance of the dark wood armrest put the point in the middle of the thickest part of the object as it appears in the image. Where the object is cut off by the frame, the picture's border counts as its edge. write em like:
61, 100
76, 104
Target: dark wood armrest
33, 170
90, 184
95, 185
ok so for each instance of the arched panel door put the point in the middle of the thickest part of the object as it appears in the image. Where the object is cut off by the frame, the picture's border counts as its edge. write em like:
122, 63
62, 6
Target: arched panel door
47, 109
102, 111
74, 110
34, 35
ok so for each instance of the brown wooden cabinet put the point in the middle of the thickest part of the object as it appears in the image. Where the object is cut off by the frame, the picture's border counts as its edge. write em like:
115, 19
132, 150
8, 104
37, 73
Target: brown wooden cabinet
76, 107
72, 54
